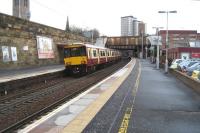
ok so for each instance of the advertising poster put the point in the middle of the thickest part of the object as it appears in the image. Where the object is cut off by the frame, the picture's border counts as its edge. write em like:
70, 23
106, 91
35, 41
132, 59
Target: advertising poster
14, 53
6, 54
45, 47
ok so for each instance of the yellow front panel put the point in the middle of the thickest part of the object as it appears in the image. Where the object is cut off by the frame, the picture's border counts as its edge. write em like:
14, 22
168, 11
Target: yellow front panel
76, 60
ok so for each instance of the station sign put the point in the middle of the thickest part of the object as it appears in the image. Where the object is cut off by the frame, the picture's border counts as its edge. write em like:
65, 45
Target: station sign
195, 55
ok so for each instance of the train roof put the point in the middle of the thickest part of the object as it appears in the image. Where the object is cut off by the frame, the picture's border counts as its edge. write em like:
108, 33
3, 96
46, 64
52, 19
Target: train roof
93, 46
87, 45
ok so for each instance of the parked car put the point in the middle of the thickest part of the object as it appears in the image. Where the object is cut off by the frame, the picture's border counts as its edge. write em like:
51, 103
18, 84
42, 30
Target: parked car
190, 69
183, 66
190, 64
196, 74
175, 63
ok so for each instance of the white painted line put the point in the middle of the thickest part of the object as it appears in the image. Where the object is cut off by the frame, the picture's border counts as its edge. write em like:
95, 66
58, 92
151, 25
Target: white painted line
51, 114
120, 73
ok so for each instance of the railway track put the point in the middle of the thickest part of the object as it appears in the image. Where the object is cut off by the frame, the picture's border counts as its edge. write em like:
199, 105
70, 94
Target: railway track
15, 87
18, 111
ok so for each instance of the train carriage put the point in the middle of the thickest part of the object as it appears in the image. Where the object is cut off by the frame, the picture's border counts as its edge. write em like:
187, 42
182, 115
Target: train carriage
81, 58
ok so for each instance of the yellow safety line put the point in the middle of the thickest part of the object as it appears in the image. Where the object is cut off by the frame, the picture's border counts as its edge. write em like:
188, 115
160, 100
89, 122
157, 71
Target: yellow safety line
125, 122
124, 125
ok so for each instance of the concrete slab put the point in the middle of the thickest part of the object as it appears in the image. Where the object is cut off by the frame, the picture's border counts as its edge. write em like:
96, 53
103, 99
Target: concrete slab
64, 119
84, 101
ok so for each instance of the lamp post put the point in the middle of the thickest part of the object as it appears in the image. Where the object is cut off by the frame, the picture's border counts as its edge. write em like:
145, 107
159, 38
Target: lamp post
167, 42
142, 45
146, 52
157, 58
92, 34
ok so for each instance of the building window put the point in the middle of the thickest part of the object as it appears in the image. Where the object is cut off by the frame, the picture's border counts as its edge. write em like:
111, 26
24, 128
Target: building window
26, 3
16, 2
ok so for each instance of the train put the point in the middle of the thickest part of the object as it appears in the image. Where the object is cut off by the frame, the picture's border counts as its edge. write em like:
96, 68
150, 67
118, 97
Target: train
82, 58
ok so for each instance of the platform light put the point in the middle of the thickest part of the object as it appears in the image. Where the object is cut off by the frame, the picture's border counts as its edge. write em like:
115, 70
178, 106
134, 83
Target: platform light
167, 42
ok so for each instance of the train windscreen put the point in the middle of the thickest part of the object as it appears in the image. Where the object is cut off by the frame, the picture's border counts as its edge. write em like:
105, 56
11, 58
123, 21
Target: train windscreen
74, 52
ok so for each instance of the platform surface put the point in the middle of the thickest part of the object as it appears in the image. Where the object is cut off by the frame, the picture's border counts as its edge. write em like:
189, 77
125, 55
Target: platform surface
158, 104
9, 75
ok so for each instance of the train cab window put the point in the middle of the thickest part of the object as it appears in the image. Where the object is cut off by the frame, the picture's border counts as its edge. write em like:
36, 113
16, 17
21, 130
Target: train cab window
66, 52
74, 52
79, 51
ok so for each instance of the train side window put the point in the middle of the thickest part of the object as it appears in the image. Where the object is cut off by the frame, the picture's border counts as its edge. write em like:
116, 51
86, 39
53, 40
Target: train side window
94, 53
103, 52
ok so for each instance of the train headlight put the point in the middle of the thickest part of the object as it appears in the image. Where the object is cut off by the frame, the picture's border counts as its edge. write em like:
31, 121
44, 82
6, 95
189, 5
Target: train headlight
68, 63
83, 62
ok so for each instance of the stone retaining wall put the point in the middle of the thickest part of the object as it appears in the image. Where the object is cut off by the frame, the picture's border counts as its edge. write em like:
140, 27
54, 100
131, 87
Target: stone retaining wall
192, 83
22, 34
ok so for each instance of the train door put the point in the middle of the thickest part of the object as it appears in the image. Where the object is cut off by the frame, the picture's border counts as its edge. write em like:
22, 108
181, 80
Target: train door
98, 55
88, 53
106, 54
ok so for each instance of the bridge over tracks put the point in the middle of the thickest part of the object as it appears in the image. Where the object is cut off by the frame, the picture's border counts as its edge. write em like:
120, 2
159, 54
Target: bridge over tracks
129, 45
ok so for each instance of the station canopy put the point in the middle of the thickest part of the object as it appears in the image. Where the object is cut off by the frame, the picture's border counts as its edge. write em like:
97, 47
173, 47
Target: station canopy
155, 40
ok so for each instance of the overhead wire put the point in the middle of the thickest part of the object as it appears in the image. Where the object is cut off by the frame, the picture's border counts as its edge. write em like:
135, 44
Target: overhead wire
49, 8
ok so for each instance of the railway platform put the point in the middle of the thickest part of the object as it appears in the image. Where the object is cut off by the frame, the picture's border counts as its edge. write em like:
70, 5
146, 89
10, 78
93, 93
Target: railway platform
136, 99
16, 74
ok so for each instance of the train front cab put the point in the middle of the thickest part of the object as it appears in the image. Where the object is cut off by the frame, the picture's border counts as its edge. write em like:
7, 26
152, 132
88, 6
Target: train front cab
75, 59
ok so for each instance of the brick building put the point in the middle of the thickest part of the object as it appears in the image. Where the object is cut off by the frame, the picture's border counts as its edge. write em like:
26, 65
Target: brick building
179, 38
182, 43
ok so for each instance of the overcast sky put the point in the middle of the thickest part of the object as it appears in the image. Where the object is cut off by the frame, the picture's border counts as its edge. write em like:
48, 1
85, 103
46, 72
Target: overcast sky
105, 14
